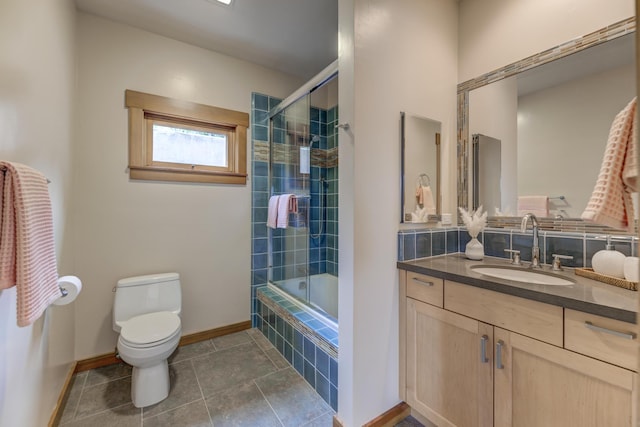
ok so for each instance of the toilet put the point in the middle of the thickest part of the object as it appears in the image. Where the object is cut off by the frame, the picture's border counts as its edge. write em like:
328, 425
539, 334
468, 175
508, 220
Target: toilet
146, 313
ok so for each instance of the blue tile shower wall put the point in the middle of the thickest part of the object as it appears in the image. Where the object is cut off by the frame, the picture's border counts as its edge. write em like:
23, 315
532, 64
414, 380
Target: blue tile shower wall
331, 245
260, 106
289, 246
288, 260
318, 368
423, 243
323, 251
323, 257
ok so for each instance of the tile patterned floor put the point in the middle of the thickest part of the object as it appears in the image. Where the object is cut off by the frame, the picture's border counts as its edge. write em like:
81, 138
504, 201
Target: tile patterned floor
234, 380
410, 422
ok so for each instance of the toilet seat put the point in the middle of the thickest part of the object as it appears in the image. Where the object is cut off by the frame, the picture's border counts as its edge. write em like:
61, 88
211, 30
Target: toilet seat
150, 330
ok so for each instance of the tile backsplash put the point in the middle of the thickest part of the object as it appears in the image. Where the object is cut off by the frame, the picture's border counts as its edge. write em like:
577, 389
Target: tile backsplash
424, 243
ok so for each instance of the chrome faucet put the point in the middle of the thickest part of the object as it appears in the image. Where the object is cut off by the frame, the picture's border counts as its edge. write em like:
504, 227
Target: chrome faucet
535, 248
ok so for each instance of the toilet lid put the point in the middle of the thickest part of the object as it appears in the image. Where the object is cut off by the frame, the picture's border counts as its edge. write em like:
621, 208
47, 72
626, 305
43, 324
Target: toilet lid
150, 328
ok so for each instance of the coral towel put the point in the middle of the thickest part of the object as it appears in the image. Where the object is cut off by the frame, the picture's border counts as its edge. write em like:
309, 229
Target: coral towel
287, 203
27, 250
537, 205
424, 197
272, 213
610, 202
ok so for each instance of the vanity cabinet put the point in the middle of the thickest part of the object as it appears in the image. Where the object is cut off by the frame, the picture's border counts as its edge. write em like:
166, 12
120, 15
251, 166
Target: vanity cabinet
475, 357
449, 380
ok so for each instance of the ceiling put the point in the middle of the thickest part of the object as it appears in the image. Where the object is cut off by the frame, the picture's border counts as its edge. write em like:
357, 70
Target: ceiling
297, 37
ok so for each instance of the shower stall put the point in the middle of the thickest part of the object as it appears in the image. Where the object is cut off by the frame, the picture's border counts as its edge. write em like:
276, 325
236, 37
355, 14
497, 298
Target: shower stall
303, 257
295, 268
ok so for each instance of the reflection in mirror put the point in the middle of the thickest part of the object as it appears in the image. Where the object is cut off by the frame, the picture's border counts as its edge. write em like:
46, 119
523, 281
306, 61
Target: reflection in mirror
487, 171
552, 122
420, 141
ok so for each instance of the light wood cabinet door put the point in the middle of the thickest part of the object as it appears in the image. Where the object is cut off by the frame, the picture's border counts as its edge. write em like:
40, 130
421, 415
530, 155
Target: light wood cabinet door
448, 378
538, 384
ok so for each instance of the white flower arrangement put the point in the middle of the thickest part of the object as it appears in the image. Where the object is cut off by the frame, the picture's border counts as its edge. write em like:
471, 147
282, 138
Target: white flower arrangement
475, 221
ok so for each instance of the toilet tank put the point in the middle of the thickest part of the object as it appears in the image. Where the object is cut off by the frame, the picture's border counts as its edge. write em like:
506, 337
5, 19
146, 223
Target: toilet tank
146, 294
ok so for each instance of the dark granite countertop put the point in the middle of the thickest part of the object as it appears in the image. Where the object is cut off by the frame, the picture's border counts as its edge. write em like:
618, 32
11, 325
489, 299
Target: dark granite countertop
586, 295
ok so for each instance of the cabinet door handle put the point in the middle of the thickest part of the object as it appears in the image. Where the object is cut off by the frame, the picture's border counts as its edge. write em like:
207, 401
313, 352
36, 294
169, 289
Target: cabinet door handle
423, 282
499, 346
483, 349
626, 335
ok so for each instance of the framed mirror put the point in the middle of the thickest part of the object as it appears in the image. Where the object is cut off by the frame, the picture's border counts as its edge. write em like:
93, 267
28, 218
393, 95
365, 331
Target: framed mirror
537, 129
420, 169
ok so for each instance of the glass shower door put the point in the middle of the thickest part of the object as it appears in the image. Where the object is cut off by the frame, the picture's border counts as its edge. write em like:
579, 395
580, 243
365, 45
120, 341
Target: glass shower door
289, 174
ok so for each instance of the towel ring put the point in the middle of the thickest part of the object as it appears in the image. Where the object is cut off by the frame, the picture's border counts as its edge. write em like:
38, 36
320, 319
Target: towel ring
423, 181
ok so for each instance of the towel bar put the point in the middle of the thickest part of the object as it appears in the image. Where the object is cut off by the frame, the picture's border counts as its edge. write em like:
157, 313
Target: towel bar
3, 169
297, 196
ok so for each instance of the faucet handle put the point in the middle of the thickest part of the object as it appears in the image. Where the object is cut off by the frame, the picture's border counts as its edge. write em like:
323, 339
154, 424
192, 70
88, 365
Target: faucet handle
515, 256
557, 261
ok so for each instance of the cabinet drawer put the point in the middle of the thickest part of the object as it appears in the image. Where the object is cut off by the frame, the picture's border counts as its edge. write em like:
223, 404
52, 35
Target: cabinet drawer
605, 339
531, 318
425, 288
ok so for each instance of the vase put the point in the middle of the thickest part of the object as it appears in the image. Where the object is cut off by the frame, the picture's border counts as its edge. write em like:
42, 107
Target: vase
474, 250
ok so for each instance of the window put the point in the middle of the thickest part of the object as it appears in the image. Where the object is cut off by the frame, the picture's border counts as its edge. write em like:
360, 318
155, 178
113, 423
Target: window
171, 140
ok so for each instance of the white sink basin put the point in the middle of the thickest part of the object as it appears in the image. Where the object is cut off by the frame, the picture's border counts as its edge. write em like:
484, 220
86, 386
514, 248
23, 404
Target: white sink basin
522, 274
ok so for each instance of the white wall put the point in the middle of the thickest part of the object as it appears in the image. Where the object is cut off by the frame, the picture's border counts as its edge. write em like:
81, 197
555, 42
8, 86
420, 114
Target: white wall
391, 68
494, 33
565, 126
346, 215
126, 228
36, 128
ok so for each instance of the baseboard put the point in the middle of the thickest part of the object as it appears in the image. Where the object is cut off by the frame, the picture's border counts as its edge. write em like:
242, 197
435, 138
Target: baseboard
62, 399
214, 333
111, 359
97, 362
392, 417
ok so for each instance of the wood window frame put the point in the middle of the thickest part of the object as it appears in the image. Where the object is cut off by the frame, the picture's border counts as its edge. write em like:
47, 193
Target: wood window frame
145, 109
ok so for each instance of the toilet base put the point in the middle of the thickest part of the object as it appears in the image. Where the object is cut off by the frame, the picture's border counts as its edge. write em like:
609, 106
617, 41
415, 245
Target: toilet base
150, 385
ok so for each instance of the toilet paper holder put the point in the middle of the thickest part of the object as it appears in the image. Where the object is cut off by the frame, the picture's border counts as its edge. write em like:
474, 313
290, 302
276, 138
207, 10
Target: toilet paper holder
70, 287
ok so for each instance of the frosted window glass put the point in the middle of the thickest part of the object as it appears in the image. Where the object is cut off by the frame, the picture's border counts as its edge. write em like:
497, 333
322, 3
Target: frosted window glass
191, 147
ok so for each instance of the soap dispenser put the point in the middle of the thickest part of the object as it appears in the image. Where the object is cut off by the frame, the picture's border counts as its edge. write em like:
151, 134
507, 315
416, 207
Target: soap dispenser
609, 261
